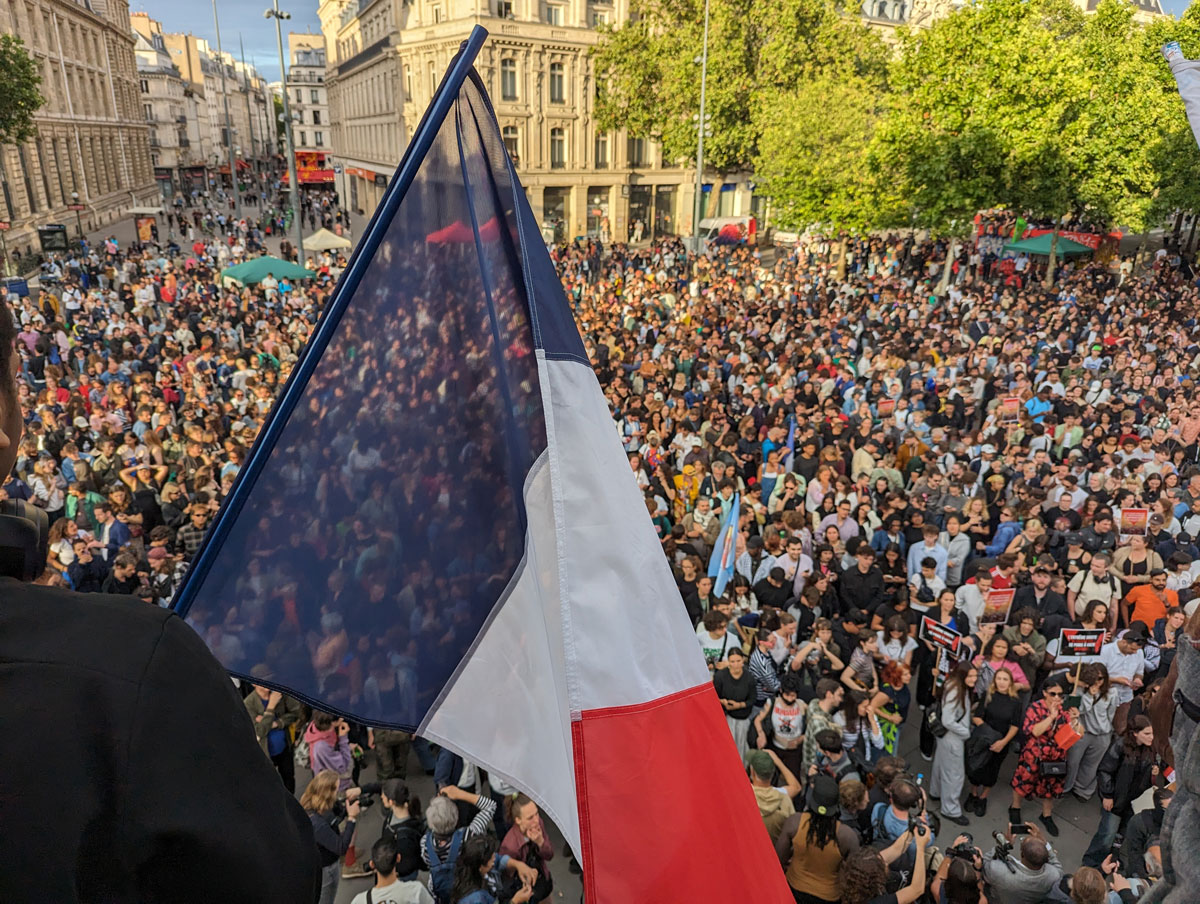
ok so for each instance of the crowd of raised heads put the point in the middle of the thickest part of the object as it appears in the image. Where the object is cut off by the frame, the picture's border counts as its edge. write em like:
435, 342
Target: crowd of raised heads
932, 487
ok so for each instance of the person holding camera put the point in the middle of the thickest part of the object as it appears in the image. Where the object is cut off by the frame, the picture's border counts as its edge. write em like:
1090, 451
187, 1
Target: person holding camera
1028, 878
333, 825
864, 874
959, 879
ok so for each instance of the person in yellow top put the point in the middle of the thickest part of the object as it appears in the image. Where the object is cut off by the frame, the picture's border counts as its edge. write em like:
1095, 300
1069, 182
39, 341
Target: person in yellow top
812, 845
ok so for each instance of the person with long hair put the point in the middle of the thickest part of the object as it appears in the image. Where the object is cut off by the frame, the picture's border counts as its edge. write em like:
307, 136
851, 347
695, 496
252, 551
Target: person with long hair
478, 875
813, 843
1126, 772
862, 737
891, 703
332, 826
995, 725
958, 881
1097, 708
864, 874
949, 764
528, 842
993, 658
1037, 774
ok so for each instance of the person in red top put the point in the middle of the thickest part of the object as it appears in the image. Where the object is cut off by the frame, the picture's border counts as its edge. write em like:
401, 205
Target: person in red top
1151, 601
528, 842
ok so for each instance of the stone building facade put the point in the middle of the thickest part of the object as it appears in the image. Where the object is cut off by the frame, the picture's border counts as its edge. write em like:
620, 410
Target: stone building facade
92, 140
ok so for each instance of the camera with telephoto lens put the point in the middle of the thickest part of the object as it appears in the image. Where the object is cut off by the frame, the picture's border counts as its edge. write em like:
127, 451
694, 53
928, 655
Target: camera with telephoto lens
915, 823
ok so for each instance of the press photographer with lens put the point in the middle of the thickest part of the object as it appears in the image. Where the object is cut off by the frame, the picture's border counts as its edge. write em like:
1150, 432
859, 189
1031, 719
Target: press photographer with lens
959, 879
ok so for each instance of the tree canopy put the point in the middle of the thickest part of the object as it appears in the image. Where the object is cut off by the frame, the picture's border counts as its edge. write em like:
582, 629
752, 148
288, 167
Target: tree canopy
19, 95
1027, 104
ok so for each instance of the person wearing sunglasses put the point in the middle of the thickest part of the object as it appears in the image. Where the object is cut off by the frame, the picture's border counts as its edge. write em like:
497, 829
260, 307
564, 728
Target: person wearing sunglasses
1042, 764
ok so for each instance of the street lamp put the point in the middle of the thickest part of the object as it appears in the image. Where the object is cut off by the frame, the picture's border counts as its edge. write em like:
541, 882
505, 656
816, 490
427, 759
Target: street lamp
703, 126
276, 14
75, 205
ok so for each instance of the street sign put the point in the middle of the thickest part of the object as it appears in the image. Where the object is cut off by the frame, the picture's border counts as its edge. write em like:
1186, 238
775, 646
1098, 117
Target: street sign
76, 207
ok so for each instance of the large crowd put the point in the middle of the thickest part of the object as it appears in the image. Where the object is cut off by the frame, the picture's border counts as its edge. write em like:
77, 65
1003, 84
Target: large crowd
933, 485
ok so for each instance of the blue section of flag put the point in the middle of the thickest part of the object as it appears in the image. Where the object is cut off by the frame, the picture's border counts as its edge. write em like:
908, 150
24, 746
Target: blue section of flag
359, 558
790, 457
724, 554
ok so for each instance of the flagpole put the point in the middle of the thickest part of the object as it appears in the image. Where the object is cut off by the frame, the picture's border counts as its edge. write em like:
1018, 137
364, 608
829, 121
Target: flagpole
414, 156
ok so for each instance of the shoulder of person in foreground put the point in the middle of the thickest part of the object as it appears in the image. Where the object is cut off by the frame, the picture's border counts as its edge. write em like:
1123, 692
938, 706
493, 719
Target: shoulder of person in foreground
201, 810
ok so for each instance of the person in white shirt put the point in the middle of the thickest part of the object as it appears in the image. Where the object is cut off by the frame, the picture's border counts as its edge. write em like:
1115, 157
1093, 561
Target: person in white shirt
388, 889
972, 598
1125, 661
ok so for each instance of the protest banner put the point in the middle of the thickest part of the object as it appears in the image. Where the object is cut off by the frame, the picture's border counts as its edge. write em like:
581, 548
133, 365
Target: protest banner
886, 407
996, 607
1134, 522
1080, 641
1010, 409
941, 636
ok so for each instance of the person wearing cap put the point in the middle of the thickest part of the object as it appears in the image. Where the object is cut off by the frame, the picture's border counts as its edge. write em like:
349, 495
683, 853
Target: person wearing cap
1149, 602
1125, 660
273, 714
813, 843
774, 801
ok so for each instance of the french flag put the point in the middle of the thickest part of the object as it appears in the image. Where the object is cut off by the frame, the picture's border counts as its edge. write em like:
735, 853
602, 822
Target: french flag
436, 531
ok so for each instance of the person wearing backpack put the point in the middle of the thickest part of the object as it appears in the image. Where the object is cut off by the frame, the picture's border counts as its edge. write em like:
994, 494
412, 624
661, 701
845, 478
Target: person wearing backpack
390, 888
444, 840
479, 876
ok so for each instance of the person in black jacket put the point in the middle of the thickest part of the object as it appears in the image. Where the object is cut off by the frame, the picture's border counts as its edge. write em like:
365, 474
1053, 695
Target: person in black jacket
333, 825
862, 587
1125, 774
1141, 831
139, 777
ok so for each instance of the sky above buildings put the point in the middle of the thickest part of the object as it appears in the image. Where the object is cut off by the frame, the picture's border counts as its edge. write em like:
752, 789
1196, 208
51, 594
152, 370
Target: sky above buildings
242, 18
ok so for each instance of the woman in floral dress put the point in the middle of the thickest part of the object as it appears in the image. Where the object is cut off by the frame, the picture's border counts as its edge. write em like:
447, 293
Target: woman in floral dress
1033, 777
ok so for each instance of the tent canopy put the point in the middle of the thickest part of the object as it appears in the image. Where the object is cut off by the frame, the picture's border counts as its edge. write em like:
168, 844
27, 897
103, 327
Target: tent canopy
255, 270
324, 240
1040, 244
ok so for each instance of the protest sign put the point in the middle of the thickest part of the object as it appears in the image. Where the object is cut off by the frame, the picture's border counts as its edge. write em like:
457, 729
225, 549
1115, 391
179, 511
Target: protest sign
1080, 641
941, 636
1010, 409
996, 607
1134, 522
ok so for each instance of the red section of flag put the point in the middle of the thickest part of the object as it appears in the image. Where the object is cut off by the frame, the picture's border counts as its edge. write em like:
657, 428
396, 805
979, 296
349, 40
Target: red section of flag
665, 808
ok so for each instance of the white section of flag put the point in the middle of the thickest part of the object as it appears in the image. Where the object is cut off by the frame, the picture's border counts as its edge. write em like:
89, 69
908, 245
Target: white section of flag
1187, 77
628, 637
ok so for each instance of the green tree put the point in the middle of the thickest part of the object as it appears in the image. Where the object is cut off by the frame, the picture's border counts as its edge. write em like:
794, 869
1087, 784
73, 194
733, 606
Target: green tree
813, 154
280, 124
19, 95
648, 71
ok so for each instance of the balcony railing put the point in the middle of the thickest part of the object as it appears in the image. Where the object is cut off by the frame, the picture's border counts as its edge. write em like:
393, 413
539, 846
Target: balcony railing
305, 78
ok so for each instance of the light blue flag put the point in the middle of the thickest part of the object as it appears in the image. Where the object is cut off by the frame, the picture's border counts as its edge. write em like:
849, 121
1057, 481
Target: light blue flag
791, 443
720, 564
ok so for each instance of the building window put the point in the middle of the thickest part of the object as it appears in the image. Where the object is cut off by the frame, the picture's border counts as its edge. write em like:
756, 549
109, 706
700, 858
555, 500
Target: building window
316, 117
432, 79
437, 14
508, 79
636, 149
299, 96
558, 90
314, 95
148, 112
601, 152
554, 14
512, 143
504, 9
558, 148
33, 205
408, 84
320, 139
304, 138
145, 86
599, 17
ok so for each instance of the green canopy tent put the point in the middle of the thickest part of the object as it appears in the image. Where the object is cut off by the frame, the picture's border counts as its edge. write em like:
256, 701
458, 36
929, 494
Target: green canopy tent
255, 270
1040, 244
